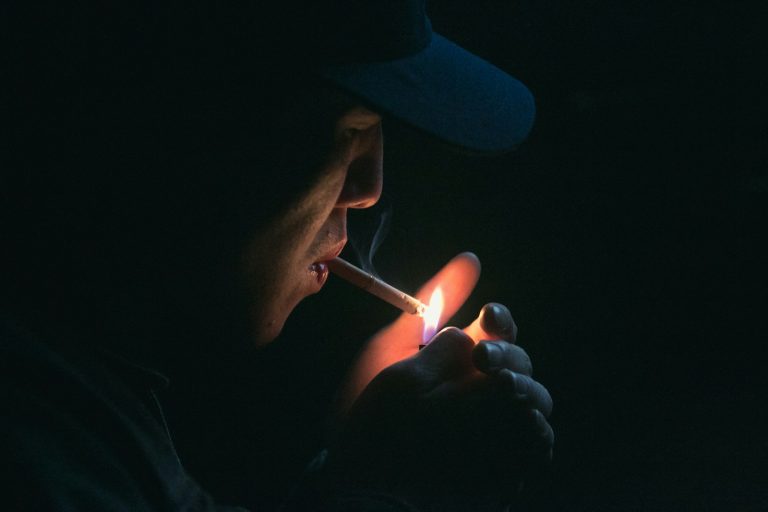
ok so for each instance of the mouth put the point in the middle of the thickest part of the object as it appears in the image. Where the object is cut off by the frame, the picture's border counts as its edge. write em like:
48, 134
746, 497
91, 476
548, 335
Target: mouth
319, 268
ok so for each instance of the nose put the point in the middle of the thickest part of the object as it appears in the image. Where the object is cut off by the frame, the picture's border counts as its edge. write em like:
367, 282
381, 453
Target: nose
364, 180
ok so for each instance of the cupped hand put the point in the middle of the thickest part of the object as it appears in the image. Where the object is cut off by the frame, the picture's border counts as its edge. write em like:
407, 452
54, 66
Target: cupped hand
435, 430
402, 338
461, 418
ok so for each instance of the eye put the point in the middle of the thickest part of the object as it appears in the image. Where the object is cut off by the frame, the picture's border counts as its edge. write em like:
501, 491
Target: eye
351, 133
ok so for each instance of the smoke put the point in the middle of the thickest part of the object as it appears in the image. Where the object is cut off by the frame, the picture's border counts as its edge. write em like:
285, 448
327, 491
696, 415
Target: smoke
366, 234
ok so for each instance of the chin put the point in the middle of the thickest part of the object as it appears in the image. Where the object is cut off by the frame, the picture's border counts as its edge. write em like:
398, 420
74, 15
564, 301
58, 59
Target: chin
267, 326
266, 329
265, 334
274, 304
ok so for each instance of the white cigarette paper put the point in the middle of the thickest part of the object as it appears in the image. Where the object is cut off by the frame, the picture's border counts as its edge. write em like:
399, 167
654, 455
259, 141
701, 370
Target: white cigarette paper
376, 287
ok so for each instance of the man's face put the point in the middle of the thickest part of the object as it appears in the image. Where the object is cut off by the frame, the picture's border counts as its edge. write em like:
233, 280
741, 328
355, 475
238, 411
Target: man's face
284, 263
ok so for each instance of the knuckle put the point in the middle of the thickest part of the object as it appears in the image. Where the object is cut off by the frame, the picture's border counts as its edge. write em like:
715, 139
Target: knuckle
515, 358
543, 432
541, 397
549, 403
527, 364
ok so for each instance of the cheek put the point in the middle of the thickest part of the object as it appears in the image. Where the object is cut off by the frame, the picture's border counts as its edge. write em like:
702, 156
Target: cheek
275, 265
275, 280
270, 304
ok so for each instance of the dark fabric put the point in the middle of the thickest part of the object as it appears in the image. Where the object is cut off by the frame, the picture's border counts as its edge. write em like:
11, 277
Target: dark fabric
310, 495
83, 430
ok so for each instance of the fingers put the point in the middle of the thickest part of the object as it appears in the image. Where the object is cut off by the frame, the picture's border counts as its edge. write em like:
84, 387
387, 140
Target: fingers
545, 432
540, 438
525, 390
489, 356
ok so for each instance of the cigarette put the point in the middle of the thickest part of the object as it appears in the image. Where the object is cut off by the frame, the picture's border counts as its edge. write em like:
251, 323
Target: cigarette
376, 287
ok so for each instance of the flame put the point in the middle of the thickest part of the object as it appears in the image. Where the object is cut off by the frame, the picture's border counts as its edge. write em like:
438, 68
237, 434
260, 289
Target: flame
432, 314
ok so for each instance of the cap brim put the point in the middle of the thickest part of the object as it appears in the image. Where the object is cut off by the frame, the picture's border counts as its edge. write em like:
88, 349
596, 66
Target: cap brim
448, 92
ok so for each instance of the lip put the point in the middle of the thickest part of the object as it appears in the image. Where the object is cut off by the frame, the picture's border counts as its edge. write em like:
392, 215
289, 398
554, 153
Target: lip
318, 270
334, 251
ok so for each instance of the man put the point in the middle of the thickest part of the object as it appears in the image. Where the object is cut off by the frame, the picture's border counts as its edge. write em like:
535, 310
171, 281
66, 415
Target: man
181, 181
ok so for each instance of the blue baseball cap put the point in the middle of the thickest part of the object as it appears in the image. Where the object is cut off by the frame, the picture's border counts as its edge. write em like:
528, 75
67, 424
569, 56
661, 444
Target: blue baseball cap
385, 52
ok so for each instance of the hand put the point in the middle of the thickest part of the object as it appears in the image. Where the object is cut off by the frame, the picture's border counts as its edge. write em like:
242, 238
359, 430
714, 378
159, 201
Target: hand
455, 426
436, 431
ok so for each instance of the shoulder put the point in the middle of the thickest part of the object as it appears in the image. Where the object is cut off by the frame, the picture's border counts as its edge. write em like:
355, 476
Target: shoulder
58, 430
79, 433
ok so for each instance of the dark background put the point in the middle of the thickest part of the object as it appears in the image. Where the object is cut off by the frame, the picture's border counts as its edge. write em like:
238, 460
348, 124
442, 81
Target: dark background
625, 236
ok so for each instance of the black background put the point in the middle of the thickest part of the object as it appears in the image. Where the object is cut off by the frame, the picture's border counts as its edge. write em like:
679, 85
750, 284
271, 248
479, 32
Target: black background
625, 236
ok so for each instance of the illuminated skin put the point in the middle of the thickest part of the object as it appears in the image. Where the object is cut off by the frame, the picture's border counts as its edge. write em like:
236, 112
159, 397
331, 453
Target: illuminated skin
313, 229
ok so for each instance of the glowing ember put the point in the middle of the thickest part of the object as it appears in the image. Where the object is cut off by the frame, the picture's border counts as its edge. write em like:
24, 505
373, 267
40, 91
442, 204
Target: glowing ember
432, 314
